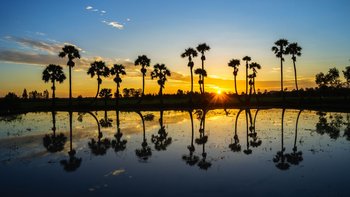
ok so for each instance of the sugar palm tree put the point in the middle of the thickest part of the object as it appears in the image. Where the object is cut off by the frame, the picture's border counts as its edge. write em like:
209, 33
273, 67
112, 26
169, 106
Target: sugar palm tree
280, 49
145, 62
247, 59
234, 63
71, 52
145, 151
202, 48
202, 73
294, 50
161, 72
254, 66
53, 73
99, 69
118, 144
117, 70
190, 53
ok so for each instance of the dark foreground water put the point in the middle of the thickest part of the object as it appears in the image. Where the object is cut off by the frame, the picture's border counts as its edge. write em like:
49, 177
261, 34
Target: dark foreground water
228, 152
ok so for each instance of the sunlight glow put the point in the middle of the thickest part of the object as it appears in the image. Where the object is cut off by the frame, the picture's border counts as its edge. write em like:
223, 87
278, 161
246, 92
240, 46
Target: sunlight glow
218, 91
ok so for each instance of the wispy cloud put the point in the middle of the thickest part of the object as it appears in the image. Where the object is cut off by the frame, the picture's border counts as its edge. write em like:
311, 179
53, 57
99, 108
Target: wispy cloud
114, 24
88, 7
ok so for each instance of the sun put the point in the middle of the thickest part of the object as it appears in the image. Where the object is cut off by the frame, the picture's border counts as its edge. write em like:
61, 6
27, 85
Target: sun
218, 92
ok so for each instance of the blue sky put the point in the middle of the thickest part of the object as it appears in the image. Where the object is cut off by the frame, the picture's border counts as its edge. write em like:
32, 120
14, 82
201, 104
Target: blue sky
163, 29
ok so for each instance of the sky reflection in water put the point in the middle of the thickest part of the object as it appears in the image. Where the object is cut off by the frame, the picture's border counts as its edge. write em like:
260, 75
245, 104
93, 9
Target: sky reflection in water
168, 158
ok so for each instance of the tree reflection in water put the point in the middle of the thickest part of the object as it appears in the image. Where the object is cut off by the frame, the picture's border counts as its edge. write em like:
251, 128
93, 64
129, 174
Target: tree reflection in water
106, 122
100, 146
255, 142
235, 146
280, 157
202, 140
72, 163
52, 142
145, 151
347, 128
191, 159
247, 151
118, 144
296, 156
331, 128
161, 140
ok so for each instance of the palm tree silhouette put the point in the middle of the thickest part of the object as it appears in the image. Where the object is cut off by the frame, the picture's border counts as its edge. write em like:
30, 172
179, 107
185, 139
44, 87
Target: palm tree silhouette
280, 157
191, 159
190, 53
71, 52
99, 69
234, 63
254, 66
100, 146
118, 144
145, 151
202, 48
145, 62
54, 143
161, 140
247, 151
202, 73
106, 122
247, 59
202, 140
73, 163
280, 49
235, 146
295, 157
53, 73
106, 94
117, 70
161, 72
255, 142
295, 50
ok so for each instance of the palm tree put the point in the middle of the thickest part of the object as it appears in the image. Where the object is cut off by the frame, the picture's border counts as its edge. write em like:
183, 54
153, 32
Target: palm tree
247, 151
161, 140
71, 52
280, 49
144, 61
254, 66
246, 59
296, 156
295, 50
118, 144
280, 157
53, 73
190, 53
54, 143
202, 48
234, 63
145, 152
202, 73
191, 159
100, 146
99, 69
235, 146
117, 70
161, 72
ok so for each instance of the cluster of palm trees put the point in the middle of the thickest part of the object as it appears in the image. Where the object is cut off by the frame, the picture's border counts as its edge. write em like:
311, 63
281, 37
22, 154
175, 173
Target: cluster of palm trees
54, 73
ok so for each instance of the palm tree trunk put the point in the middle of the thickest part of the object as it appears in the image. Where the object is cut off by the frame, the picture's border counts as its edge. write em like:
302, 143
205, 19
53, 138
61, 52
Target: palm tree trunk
246, 78
190, 112
246, 121
296, 129
117, 96
98, 89
143, 85
70, 86
191, 80
295, 77
203, 76
236, 122
143, 126
70, 131
282, 148
53, 93
161, 94
53, 123
235, 80
282, 91
118, 122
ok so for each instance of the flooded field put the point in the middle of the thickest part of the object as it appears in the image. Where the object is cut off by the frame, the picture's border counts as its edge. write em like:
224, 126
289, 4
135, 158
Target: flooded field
173, 153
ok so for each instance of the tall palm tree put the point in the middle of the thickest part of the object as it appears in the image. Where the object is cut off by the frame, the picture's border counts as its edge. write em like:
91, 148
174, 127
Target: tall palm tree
71, 52
295, 50
234, 63
247, 59
190, 53
99, 69
254, 66
145, 62
202, 48
53, 73
161, 72
202, 73
117, 70
280, 49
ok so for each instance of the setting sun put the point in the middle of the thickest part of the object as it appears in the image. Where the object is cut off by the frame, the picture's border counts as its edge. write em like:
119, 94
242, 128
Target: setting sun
218, 91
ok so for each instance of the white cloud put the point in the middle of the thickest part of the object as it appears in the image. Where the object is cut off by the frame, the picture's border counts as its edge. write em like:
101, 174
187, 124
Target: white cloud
88, 7
114, 24
103, 12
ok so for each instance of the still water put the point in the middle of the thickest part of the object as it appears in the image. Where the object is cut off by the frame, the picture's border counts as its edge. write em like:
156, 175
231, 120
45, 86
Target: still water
252, 152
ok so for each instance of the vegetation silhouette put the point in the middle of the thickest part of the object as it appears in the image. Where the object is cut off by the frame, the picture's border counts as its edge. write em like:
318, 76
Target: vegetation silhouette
191, 159
280, 157
72, 53
331, 128
202, 48
145, 62
72, 163
52, 142
161, 141
106, 94
254, 66
117, 70
247, 151
118, 143
247, 59
99, 69
53, 73
280, 49
202, 140
296, 156
145, 152
234, 63
294, 50
100, 146
235, 146
106, 122
190, 53
161, 72
347, 128
255, 142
